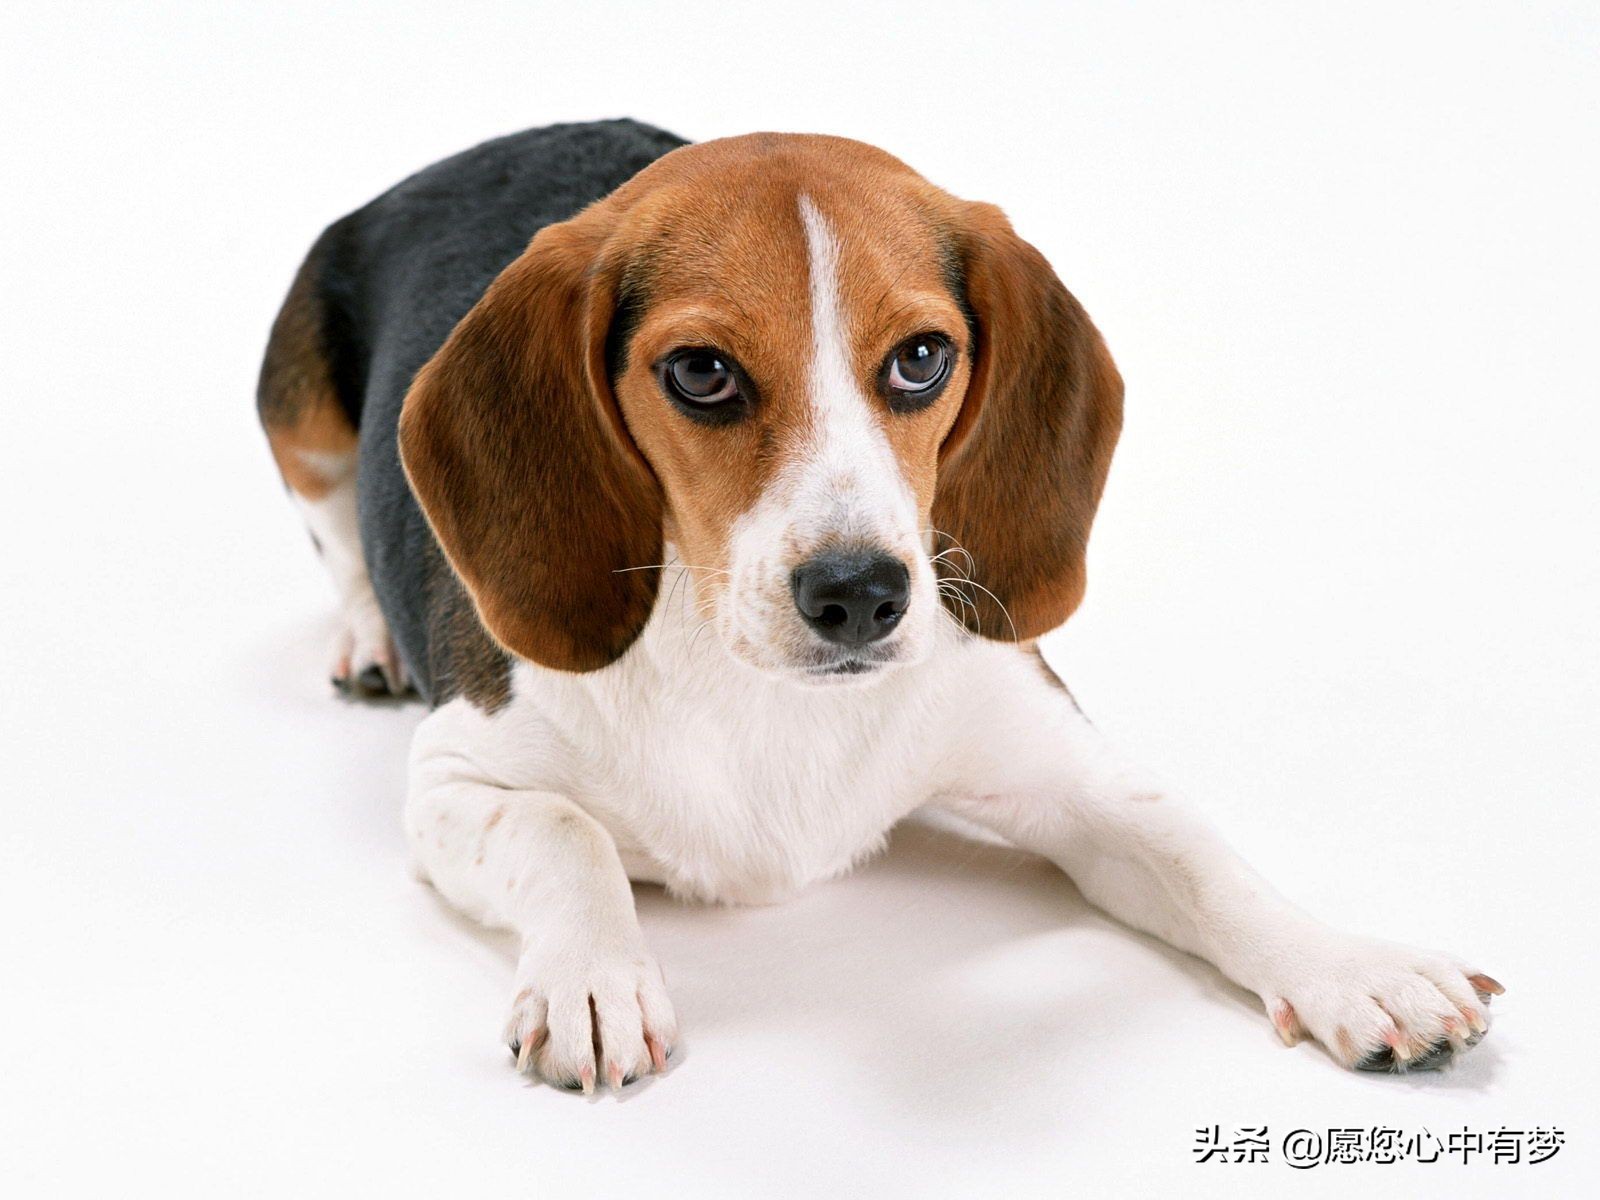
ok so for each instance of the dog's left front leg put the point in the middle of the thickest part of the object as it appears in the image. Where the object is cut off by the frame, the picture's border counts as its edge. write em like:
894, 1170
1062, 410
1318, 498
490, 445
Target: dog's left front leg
1041, 776
590, 1004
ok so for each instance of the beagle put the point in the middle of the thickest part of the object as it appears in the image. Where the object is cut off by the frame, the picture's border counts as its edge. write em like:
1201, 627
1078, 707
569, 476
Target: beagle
716, 523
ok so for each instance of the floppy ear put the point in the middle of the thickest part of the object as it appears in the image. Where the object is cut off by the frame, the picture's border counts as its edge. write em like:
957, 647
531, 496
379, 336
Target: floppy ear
1022, 469
516, 451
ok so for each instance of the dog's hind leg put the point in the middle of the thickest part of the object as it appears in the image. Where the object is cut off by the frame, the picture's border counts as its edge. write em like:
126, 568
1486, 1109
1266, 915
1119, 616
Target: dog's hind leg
312, 433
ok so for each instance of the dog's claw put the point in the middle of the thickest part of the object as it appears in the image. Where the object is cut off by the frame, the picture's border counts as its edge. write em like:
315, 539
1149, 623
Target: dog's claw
1379, 1006
588, 1022
658, 1056
1486, 986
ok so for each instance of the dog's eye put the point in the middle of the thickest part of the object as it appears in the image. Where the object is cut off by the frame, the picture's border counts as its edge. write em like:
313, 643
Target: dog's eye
917, 369
700, 378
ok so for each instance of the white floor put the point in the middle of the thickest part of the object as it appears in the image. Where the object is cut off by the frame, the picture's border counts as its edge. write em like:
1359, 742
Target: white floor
1344, 590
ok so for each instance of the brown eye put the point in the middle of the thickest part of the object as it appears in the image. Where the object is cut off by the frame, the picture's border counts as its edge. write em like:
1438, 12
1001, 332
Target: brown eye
704, 384
917, 369
701, 377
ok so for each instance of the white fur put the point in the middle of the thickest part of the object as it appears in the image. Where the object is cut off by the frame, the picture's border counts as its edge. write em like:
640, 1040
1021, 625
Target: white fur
677, 766
362, 639
680, 764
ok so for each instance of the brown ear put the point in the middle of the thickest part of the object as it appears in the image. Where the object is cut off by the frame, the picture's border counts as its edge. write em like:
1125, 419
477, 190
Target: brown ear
1023, 467
518, 455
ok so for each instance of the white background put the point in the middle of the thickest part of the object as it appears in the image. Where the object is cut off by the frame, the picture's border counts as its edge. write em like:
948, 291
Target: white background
1344, 590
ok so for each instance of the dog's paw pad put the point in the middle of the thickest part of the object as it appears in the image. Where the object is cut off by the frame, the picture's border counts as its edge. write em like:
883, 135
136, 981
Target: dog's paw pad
1385, 1061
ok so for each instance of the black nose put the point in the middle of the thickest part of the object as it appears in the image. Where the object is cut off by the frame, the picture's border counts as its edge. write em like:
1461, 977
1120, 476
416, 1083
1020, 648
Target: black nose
853, 597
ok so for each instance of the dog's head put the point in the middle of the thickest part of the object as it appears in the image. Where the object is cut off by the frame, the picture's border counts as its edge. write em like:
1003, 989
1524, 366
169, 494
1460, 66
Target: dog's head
854, 404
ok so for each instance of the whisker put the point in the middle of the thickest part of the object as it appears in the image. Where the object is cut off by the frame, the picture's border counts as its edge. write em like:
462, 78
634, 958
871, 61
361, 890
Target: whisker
958, 576
887, 320
676, 584
963, 600
942, 556
889, 291
664, 566
695, 637
1005, 612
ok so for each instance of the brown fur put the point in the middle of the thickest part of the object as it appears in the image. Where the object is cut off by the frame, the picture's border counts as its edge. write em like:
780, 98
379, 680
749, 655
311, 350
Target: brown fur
511, 442
1024, 468
311, 437
549, 464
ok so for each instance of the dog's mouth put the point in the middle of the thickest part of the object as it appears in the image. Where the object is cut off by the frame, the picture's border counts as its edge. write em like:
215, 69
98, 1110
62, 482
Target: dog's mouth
854, 667
850, 666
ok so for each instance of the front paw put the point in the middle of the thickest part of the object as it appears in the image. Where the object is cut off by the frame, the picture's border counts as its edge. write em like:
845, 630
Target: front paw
583, 1013
1378, 1006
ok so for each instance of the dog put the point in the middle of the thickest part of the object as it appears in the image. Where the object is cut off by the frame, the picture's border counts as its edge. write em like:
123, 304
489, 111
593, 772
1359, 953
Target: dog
714, 497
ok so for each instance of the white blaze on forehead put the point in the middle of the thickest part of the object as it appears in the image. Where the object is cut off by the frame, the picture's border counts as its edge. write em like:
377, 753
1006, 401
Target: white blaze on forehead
850, 474
830, 354
841, 484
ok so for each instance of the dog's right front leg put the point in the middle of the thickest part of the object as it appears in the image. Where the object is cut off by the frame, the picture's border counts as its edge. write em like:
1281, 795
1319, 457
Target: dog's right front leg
590, 1001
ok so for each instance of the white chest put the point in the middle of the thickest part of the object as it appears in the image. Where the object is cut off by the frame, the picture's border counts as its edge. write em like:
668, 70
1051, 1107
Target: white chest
726, 785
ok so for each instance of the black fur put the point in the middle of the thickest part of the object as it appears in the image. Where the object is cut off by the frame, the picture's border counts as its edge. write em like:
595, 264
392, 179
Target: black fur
394, 278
